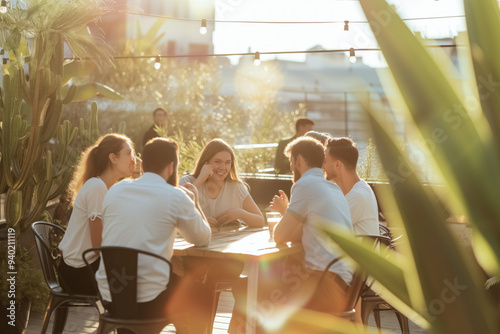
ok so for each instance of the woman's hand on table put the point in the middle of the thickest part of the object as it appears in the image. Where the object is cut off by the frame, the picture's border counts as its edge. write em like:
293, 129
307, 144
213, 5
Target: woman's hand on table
229, 216
280, 203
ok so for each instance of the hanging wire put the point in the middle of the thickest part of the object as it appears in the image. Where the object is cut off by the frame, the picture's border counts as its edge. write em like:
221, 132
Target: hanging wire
254, 54
278, 22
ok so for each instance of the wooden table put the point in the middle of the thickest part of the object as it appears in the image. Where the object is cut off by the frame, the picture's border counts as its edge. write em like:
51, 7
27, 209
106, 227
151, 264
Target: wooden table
250, 245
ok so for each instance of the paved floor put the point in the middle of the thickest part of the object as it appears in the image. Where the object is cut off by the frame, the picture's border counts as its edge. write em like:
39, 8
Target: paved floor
84, 320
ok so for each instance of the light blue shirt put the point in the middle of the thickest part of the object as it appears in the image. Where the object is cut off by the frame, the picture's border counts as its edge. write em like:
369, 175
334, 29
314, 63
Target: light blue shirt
316, 200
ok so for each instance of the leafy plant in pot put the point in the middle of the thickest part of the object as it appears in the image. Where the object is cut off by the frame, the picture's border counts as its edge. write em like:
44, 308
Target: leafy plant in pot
36, 153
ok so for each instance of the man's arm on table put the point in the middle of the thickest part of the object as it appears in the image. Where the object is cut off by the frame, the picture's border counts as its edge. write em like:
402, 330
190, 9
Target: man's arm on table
193, 224
288, 229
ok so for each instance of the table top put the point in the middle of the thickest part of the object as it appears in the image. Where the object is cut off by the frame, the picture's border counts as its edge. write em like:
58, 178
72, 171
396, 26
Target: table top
237, 242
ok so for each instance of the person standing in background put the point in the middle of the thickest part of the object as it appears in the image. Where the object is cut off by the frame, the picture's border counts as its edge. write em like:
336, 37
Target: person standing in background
281, 162
159, 119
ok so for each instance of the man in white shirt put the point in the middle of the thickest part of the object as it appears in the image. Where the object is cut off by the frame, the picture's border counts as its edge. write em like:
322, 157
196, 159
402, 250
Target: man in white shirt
314, 200
146, 214
341, 158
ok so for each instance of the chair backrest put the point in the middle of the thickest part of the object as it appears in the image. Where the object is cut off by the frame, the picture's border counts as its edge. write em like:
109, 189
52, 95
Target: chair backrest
121, 265
47, 238
384, 231
359, 277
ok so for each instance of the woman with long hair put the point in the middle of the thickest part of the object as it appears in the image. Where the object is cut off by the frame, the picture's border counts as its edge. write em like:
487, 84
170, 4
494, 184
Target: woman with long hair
101, 165
223, 196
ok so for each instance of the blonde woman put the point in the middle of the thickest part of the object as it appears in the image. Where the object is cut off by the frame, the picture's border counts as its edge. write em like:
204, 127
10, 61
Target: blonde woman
223, 196
101, 165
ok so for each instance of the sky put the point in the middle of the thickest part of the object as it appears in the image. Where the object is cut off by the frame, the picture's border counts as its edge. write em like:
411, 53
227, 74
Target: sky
238, 37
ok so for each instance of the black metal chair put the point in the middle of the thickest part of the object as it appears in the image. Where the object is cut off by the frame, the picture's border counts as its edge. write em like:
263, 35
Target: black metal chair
47, 238
123, 310
358, 280
372, 302
353, 293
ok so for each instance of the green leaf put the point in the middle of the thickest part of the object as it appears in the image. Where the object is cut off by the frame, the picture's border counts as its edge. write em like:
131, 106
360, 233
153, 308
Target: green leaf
389, 272
312, 322
443, 121
89, 90
483, 27
144, 42
77, 68
451, 287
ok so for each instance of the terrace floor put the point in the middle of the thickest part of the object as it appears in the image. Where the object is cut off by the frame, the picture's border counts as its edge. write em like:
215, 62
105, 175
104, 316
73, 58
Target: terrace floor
85, 320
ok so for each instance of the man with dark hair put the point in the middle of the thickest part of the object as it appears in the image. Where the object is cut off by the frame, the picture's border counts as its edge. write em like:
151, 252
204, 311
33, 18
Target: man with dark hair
159, 119
314, 201
302, 126
146, 214
340, 167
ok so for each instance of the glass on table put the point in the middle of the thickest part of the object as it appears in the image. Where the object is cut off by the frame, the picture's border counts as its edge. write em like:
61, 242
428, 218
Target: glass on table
272, 219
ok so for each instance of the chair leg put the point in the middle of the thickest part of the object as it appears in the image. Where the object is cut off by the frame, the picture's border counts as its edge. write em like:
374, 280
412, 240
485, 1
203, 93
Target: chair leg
60, 320
48, 312
376, 315
403, 323
215, 304
366, 310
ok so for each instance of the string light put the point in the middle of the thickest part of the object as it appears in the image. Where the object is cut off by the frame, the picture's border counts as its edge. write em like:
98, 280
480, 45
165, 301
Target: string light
346, 25
3, 7
157, 63
203, 28
253, 54
281, 22
256, 61
5, 60
352, 55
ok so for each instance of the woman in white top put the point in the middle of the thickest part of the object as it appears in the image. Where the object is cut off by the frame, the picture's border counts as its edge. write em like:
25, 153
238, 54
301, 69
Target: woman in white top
224, 199
101, 166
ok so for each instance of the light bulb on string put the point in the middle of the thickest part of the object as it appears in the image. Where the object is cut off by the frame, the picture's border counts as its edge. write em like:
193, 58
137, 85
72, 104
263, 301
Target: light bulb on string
203, 28
352, 55
346, 25
157, 63
3, 7
256, 60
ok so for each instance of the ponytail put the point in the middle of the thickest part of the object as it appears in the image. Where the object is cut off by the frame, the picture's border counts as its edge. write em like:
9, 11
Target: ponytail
95, 159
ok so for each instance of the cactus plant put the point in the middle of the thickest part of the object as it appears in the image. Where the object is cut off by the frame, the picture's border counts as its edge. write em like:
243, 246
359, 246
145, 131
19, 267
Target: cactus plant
37, 150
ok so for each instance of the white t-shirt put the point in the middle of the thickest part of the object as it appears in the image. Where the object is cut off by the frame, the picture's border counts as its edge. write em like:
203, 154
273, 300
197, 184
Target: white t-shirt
87, 207
315, 200
364, 209
231, 196
146, 214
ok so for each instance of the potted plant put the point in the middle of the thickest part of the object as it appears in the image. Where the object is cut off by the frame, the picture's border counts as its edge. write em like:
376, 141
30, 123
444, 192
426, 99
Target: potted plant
36, 152
24, 290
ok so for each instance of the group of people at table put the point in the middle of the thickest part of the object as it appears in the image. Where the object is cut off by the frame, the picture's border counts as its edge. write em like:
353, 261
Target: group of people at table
147, 213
